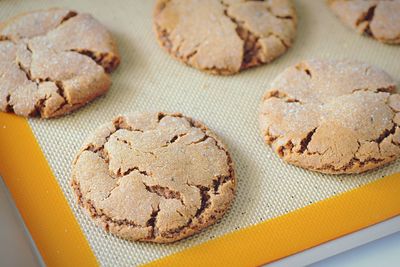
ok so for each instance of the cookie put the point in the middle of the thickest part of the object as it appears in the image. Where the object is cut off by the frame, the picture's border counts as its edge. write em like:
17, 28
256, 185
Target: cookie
225, 36
53, 62
332, 116
379, 19
154, 177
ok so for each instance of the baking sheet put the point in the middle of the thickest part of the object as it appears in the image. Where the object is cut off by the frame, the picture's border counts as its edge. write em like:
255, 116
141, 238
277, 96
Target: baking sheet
18, 249
149, 80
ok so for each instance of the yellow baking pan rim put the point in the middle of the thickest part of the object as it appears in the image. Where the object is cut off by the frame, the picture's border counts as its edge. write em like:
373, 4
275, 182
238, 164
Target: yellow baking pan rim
61, 242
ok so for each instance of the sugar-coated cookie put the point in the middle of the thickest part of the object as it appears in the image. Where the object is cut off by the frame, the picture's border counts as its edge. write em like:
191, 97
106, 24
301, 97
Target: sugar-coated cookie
378, 18
53, 62
154, 177
225, 36
332, 116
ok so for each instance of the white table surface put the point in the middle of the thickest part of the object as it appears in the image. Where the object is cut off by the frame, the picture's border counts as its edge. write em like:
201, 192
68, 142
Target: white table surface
17, 248
382, 252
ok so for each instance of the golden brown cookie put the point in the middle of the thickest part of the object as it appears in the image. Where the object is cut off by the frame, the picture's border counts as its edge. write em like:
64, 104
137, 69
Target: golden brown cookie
378, 18
225, 36
332, 116
154, 177
53, 62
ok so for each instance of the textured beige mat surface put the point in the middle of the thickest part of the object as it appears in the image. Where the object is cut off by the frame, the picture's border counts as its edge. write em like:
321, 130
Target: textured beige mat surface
149, 80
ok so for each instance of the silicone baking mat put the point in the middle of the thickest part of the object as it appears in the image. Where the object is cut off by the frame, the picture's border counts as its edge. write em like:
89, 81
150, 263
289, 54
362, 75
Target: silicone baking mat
279, 209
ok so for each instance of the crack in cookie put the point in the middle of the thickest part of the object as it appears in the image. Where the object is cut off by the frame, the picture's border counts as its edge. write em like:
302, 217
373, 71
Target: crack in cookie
365, 20
53, 62
69, 15
164, 191
107, 60
167, 173
332, 116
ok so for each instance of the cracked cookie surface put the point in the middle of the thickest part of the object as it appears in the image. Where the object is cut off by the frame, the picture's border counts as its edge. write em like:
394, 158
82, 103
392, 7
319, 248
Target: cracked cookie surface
154, 177
225, 36
332, 116
379, 19
53, 62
